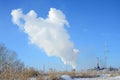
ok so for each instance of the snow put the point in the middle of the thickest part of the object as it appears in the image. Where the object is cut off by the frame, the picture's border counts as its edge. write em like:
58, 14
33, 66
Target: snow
102, 77
32, 78
66, 77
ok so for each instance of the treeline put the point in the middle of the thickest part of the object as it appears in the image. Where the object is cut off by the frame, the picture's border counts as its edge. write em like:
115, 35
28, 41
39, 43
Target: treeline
12, 68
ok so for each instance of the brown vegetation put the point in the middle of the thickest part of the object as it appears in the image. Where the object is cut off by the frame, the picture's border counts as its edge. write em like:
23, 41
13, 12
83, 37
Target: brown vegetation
13, 69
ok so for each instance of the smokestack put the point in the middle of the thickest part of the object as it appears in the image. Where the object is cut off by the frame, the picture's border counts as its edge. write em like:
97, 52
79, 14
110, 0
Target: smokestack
44, 68
98, 67
73, 70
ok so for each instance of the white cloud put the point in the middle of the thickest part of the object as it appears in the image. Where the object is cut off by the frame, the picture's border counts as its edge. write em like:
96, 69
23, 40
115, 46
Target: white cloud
17, 16
48, 34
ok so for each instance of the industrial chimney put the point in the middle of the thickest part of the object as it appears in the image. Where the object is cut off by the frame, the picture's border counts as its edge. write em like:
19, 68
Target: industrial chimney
98, 66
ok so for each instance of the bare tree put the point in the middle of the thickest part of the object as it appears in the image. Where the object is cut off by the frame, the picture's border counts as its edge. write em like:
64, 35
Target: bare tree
12, 68
9, 64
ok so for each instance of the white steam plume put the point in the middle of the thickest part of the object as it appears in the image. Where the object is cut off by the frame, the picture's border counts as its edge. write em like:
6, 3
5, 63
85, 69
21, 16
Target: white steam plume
48, 34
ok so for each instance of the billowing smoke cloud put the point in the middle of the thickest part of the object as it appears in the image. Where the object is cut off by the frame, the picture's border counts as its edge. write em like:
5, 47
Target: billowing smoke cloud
49, 34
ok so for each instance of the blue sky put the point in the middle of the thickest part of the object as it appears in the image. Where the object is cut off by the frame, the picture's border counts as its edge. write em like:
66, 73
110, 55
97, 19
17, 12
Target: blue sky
93, 23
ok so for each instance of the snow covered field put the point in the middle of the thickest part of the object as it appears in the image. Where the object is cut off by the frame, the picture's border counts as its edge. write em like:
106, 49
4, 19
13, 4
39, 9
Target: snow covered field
66, 77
